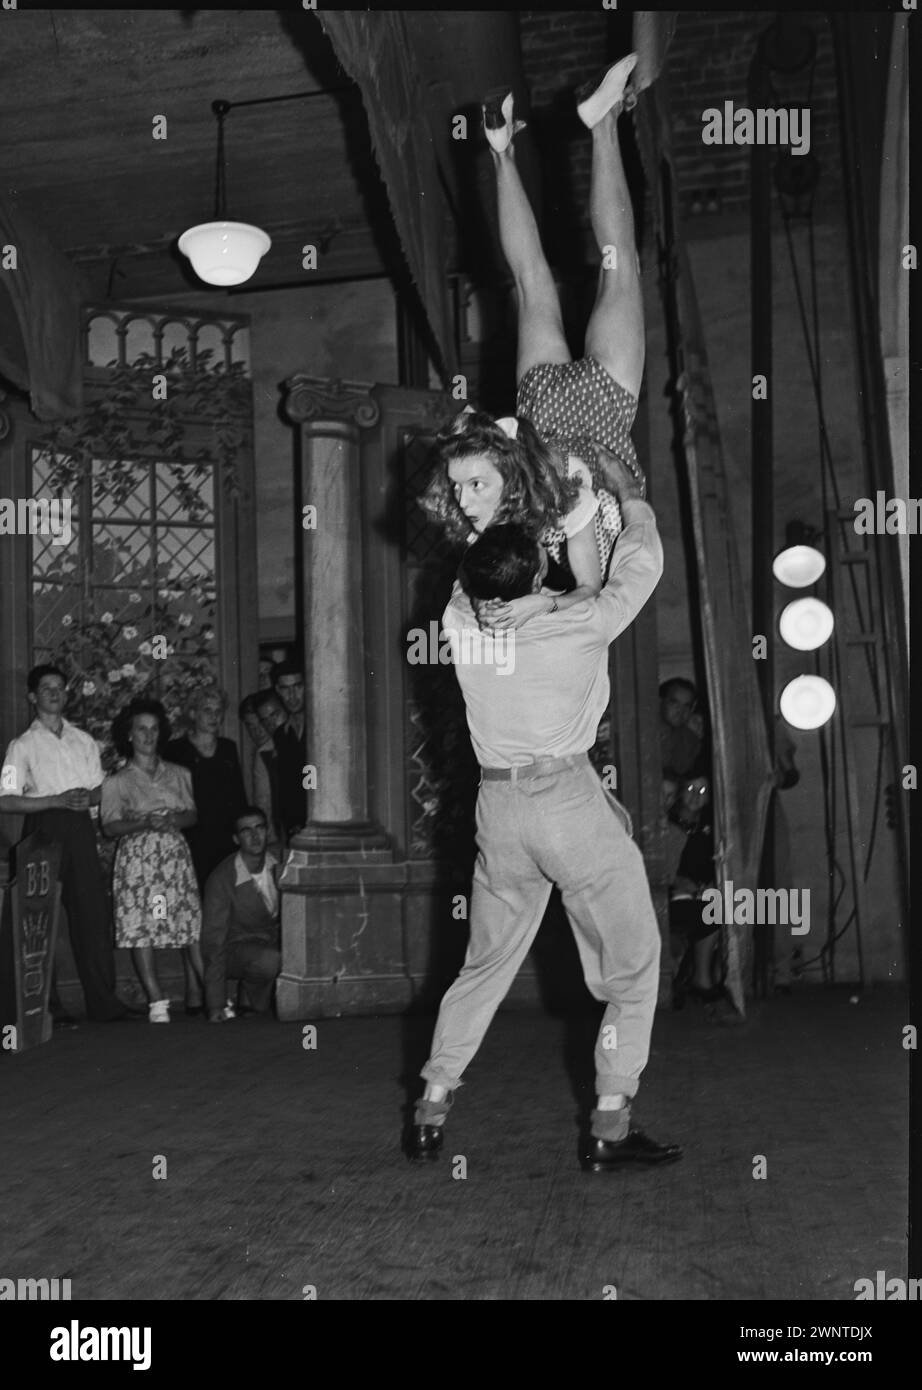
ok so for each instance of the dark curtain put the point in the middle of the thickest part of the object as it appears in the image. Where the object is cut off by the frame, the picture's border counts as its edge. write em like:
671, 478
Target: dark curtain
376, 51
742, 771
40, 344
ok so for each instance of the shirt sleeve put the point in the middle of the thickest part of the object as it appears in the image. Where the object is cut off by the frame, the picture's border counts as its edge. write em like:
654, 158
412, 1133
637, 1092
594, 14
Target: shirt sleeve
581, 513
16, 778
636, 566
112, 802
93, 761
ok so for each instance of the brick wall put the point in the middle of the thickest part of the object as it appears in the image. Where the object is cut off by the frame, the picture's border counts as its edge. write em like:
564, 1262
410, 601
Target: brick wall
708, 64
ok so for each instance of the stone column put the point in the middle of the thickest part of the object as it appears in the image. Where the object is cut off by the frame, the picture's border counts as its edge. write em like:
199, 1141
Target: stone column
330, 416
342, 893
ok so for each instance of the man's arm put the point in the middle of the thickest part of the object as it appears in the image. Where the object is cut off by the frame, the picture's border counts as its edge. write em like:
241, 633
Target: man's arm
637, 560
19, 803
636, 566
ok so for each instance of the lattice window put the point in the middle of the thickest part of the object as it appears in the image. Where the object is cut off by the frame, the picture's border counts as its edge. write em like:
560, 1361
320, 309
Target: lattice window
129, 605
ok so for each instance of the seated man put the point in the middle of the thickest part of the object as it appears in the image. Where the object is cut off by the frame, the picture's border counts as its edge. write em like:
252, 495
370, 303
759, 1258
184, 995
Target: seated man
240, 931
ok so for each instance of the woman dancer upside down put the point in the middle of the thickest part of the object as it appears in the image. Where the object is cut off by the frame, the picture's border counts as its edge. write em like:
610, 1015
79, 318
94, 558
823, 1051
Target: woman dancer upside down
546, 468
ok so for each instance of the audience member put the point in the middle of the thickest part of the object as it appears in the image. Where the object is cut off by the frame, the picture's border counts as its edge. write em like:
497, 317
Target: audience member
146, 806
266, 794
290, 743
691, 814
680, 747
241, 933
52, 775
217, 781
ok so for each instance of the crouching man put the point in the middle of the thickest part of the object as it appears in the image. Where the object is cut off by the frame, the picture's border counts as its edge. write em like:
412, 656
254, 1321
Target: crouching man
241, 930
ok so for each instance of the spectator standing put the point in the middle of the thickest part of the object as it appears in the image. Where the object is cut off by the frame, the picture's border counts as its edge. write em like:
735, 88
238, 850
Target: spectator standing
52, 775
146, 806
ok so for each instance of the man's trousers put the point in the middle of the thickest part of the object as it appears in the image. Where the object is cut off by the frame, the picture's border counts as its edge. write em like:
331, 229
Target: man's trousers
561, 828
84, 898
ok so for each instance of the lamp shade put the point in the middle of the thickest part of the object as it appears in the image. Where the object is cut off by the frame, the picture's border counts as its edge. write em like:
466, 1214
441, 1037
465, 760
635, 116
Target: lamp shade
799, 566
806, 624
224, 253
807, 702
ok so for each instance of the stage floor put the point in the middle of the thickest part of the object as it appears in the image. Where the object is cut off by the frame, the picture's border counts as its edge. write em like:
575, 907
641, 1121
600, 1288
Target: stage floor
283, 1167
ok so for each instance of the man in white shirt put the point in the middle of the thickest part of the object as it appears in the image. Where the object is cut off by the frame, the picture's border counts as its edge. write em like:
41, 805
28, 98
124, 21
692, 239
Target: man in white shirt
241, 928
52, 775
543, 817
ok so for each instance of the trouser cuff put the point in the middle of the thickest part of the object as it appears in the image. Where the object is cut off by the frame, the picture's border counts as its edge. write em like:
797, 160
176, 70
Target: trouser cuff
610, 1124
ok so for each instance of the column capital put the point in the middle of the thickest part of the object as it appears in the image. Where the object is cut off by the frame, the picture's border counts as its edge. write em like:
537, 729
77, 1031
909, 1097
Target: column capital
309, 398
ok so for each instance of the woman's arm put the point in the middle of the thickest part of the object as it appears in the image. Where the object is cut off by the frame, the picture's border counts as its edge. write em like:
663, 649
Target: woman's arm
129, 825
583, 556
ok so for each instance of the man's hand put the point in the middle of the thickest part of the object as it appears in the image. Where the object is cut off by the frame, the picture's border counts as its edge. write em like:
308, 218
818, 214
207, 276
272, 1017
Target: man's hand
76, 799
619, 479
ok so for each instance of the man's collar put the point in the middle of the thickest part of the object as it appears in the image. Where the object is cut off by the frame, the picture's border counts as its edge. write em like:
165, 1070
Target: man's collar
243, 873
37, 723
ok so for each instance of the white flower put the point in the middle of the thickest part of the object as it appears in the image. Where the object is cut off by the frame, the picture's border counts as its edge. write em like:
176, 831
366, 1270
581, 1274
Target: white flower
89, 687
145, 648
185, 620
114, 677
67, 620
134, 598
105, 617
208, 635
129, 632
128, 669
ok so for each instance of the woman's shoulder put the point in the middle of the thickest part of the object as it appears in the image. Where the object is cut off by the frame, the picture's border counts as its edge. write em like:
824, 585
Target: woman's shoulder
118, 776
174, 769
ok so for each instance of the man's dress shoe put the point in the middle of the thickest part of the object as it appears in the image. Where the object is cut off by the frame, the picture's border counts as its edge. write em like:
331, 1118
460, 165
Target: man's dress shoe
425, 1141
605, 1155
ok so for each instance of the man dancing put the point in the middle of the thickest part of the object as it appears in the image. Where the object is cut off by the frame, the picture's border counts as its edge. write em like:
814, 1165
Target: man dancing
543, 817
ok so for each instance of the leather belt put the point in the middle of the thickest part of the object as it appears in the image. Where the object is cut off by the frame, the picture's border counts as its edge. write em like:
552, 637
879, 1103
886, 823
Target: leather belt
542, 768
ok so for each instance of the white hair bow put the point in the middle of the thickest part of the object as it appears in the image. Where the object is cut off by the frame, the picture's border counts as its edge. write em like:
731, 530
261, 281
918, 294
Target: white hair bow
509, 425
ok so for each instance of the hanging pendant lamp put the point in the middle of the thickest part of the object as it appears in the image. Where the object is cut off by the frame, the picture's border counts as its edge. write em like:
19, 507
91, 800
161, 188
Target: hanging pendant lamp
224, 252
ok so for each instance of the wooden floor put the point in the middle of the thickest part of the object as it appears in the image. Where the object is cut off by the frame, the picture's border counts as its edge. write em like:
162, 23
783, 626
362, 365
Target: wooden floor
283, 1168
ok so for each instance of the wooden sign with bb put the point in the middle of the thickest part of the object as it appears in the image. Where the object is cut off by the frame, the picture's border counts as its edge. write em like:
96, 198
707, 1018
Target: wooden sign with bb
36, 899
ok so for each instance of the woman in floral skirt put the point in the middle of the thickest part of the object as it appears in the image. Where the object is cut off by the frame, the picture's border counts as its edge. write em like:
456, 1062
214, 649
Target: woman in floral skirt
146, 806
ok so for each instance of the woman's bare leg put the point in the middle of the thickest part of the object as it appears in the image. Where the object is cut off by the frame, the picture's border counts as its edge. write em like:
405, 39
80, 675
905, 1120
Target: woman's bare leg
541, 335
143, 957
615, 336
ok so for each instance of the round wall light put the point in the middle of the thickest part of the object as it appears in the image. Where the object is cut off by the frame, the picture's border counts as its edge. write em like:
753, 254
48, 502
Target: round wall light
806, 624
807, 702
799, 566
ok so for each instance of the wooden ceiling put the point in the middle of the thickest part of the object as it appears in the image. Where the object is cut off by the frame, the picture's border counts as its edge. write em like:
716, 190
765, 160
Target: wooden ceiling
79, 91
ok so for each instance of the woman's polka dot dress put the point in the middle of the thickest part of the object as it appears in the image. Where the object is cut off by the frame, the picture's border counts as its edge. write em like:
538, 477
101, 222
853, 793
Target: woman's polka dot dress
576, 406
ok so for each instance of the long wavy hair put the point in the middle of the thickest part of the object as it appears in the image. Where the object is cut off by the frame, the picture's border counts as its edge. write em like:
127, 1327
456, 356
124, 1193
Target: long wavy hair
536, 492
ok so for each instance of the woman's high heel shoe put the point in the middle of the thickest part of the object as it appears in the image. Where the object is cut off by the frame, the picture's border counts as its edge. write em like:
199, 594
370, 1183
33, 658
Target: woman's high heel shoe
498, 124
595, 99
